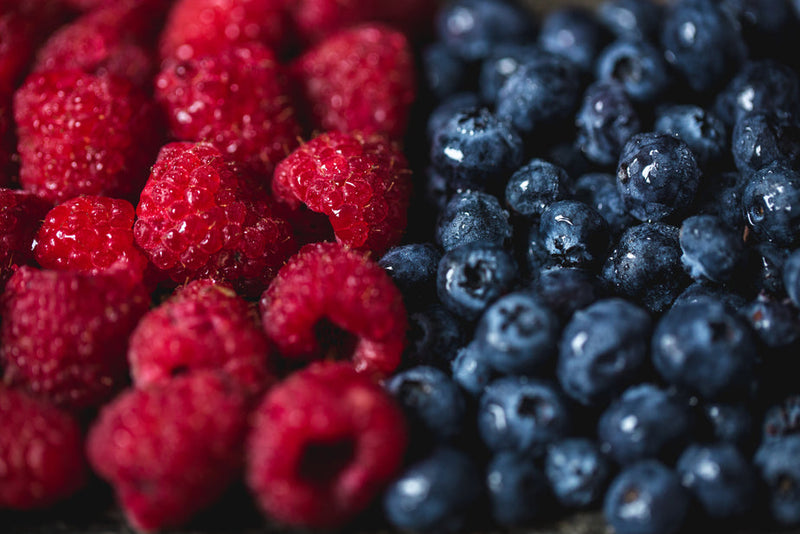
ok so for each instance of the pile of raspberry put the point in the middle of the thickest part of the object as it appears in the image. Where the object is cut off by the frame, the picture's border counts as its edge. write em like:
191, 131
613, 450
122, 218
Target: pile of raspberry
439, 266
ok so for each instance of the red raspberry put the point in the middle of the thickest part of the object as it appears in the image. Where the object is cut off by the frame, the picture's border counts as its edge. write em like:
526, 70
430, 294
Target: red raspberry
197, 28
8, 144
41, 453
203, 326
198, 218
236, 99
65, 334
359, 79
324, 444
83, 134
21, 215
169, 452
361, 182
92, 235
326, 291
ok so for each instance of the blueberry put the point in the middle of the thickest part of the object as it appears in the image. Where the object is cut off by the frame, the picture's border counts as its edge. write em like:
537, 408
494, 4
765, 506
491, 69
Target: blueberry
603, 350
577, 471
472, 216
536, 255
778, 462
638, 66
771, 203
436, 494
791, 277
631, 19
574, 234
518, 490
605, 122
702, 130
720, 194
449, 107
645, 422
574, 34
566, 290
646, 498
701, 290
774, 321
502, 63
471, 371
476, 149
522, 415
600, 191
763, 86
472, 276
730, 423
645, 266
770, 260
413, 270
761, 139
570, 158
711, 250
535, 186
782, 419
517, 334
704, 347
434, 336
445, 72
657, 176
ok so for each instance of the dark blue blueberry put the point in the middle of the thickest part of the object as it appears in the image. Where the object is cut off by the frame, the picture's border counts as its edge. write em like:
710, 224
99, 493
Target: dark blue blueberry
702, 41
476, 149
645, 266
574, 234
574, 34
535, 186
566, 290
570, 158
600, 191
761, 139
432, 402
577, 471
472, 276
720, 194
763, 86
541, 92
537, 257
445, 72
471, 371
646, 498
774, 321
778, 462
706, 348
413, 270
721, 479
791, 277
449, 107
706, 291
603, 350
502, 63
782, 420
522, 415
702, 130
657, 176
770, 260
730, 423
771, 203
631, 19
638, 66
434, 336
645, 422
711, 250
472, 216
518, 490
605, 122
518, 334
438, 494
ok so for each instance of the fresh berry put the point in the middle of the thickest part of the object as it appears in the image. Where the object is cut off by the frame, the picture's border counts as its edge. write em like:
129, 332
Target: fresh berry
638, 66
711, 250
599, 191
471, 370
21, 214
413, 270
573, 234
573, 33
434, 336
762, 86
449, 107
566, 290
778, 462
636, 20
763, 139
605, 121
536, 185
16, 48
774, 321
702, 130
316, 19
470, 217
503, 61
8, 146
577, 471
518, 490
771, 203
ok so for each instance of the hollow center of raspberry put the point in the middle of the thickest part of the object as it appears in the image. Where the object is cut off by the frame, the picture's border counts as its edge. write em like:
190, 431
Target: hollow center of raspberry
335, 342
322, 462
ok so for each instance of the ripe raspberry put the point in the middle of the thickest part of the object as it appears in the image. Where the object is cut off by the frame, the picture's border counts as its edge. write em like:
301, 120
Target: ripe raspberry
8, 144
359, 79
41, 453
204, 326
327, 291
236, 99
64, 334
21, 214
324, 444
171, 451
91, 235
197, 28
198, 218
83, 134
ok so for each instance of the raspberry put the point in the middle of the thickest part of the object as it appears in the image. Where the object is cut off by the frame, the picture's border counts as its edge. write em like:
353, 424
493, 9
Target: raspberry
7, 147
17, 46
198, 218
92, 235
329, 298
359, 79
83, 134
41, 453
203, 326
236, 99
20, 216
197, 28
64, 334
171, 451
324, 443
360, 181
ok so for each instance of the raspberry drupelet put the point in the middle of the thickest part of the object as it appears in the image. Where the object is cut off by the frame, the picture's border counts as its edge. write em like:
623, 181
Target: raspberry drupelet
21, 215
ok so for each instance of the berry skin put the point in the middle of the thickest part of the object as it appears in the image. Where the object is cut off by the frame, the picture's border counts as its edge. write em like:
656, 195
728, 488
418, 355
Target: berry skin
359, 79
90, 234
535, 186
566, 290
413, 270
638, 66
359, 181
599, 191
573, 234
83, 134
41, 449
169, 452
518, 490
198, 218
504, 61
449, 107
702, 130
711, 250
236, 99
64, 334
324, 444
771, 203
763, 139
326, 289
21, 215
204, 326
761, 86
778, 463
471, 370
605, 121
472, 216
577, 471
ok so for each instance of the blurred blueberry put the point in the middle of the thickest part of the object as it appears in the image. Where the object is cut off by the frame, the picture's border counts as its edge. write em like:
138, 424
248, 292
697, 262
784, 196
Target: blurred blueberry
503, 61
449, 107
471, 371
413, 270
574, 34
763, 86
638, 66
636, 20
782, 419
791, 277
730, 423
774, 321
445, 72
566, 290
702, 130
771, 203
535, 186
762, 139
518, 491
778, 462
701, 290
711, 250
577, 471
770, 259
599, 191
434, 336
605, 122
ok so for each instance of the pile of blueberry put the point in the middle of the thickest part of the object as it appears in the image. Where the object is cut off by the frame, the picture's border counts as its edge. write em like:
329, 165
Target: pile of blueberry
606, 313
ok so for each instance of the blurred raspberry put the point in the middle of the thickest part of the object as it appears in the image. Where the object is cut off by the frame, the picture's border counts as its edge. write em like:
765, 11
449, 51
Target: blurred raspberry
324, 444
331, 301
21, 215
8, 167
